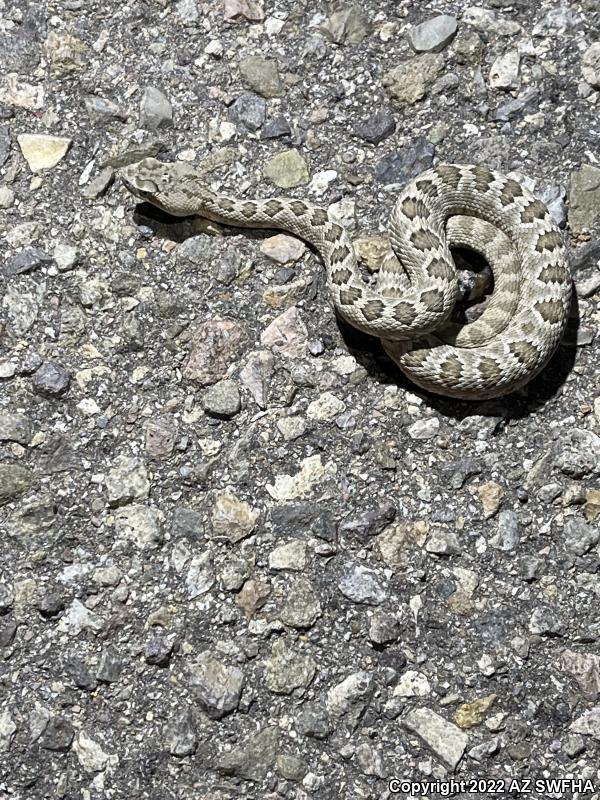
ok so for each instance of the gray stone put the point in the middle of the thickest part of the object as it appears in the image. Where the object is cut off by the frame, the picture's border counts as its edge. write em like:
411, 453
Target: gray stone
580, 537
424, 429
369, 523
276, 128
139, 524
349, 25
409, 82
434, 34
14, 428
313, 722
504, 72
51, 379
78, 618
7, 598
251, 10
446, 741
588, 286
443, 542
8, 632
588, 724
460, 471
235, 572
127, 481
584, 197
574, 746
30, 362
187, 11
586, 256
14, 480
99, 184
384, 628
361, 585
302, 607
290, 555
261, 75
557, 20
531, 568
545, 620
58, 735
8, 729
180, 736
447, 83
218, 687
200, 576
217, 342
22, 309
485, 750
249, 110
287, 670
514, 108
159, 649
585, 669
101, 109
489, 21
110, 666
468, 47
254, 758
508, 535
287, 170
577, 453
156, 111
26, 261
90, 754
222, 400
369, 760
65, 256
4, 144
290, 767
187, 524
7, 197
347, 701
257, 374
80, 675
554, 199
590, 65
400, 166
377, 127
133, 153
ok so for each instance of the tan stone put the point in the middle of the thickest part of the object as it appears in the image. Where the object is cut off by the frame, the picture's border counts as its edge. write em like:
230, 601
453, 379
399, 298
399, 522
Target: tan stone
469, 715
591, 508
491, 495
408, 82
397, 542
42, 151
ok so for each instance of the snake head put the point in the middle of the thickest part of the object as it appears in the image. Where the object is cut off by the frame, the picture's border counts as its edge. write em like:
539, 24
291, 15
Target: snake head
170, 187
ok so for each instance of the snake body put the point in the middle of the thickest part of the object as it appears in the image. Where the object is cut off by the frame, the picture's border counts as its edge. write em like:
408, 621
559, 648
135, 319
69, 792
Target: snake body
409, 307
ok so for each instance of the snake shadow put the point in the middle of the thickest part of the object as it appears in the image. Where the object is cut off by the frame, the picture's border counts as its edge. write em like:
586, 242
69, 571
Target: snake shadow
546, 386
152, 220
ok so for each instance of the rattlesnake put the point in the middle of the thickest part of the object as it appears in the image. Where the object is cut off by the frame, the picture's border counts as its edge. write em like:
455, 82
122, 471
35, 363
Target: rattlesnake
449, 205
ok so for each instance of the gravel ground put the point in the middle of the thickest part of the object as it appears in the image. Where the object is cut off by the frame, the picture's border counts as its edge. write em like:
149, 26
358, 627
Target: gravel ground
241, 556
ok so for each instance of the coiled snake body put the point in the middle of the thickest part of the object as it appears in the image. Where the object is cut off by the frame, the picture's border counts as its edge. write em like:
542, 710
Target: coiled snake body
409, 307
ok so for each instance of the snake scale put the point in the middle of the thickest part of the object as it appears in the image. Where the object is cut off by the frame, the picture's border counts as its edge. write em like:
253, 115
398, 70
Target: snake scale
409, 307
